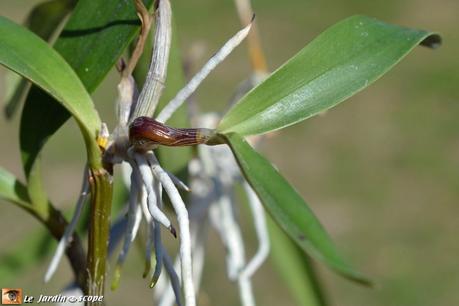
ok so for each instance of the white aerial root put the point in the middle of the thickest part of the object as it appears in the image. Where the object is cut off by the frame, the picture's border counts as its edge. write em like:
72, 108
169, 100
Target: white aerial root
150, 204
218, 164
178, 182
144, 205
70, 229
245, 275
117, 230
186, 91
164, 293
173, 277
142, 172
184, 225
133, 211
148, 247
259, 219
157, 237
138, 218
200, 235
223, 219
158, 253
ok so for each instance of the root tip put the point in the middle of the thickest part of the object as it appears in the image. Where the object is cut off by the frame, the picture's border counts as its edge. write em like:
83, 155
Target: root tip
173, 231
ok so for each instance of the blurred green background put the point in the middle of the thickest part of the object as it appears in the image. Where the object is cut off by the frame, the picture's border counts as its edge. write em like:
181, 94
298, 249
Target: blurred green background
381, 171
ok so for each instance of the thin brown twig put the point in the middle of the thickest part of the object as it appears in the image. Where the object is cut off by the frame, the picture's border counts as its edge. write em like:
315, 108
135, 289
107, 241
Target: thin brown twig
146, 20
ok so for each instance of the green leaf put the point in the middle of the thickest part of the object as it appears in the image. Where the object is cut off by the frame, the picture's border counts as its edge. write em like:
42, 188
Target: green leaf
16, 92
15, 192
295, 267
287, 207
47, 69
337, 64
43, 20
93, 39
12, 190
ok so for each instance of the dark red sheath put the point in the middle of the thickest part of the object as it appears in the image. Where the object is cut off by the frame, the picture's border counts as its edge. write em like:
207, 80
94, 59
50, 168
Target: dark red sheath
145, 132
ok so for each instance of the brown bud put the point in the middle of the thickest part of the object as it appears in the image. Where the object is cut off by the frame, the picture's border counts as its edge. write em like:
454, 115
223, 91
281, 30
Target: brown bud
145, 133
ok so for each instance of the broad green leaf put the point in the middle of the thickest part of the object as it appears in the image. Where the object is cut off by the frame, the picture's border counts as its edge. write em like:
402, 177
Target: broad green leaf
43, 20
340, 62
287, 207
48, 70
93, 39
295, 267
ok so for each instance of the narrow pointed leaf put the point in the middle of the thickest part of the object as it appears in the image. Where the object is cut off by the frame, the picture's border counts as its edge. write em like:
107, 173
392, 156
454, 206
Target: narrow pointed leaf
295, 267
43, 20
15, 192
340, 62
12, 190
288, 209
48, 70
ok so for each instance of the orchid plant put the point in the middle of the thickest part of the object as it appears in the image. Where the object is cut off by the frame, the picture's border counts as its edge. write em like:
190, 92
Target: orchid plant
341, 61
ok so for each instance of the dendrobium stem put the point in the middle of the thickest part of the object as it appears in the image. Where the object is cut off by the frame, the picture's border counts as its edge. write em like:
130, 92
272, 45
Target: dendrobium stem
99, 229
